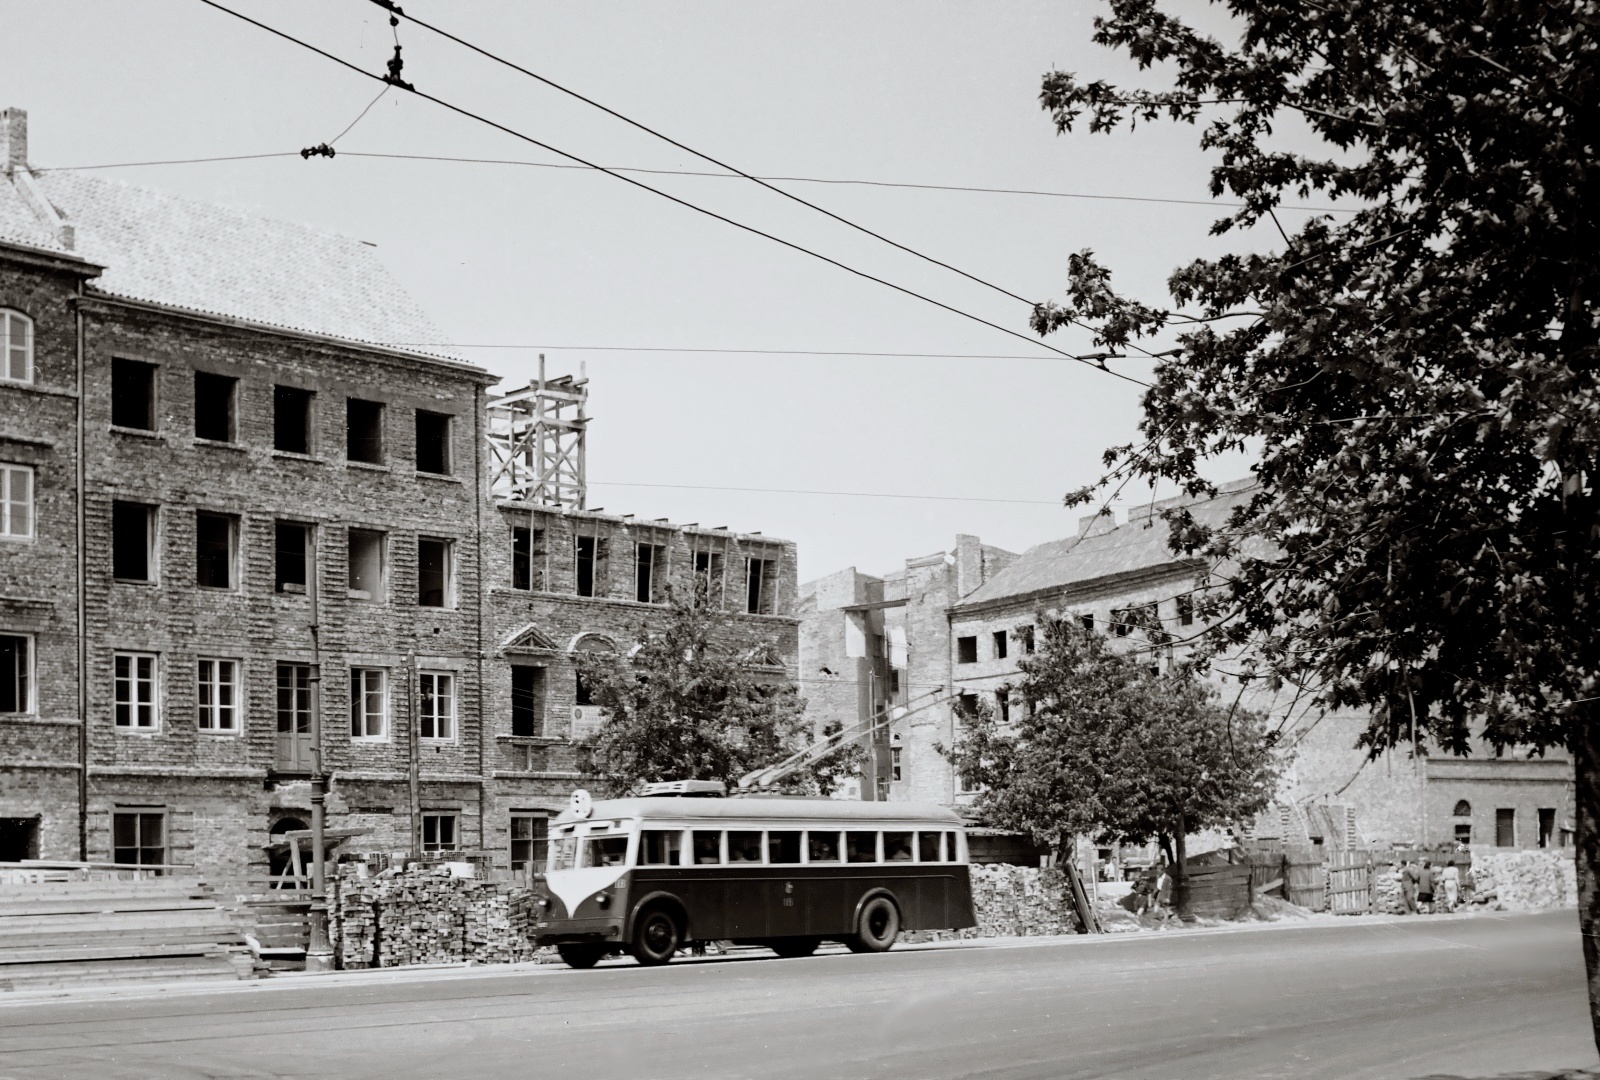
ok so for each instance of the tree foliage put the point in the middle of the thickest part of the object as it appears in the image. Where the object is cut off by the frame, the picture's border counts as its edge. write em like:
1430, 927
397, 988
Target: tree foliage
1106, 747
1418, 378
690, 704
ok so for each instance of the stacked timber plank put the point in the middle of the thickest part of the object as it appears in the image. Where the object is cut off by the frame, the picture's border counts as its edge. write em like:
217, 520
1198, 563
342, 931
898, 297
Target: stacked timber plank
79, 933
426, 915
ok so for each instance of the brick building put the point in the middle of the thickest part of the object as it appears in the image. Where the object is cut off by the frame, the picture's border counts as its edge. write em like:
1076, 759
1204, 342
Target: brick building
201, 437
954, 626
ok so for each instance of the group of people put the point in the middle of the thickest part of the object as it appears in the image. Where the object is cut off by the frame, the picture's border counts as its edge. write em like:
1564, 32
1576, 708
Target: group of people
1426, 889
1152, 893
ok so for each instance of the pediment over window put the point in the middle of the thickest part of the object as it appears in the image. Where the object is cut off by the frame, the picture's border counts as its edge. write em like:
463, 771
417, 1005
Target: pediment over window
530, 637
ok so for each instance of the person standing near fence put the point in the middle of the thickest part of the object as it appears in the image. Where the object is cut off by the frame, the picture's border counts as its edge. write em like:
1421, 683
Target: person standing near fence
1425, 882
1450, 882
1410, 876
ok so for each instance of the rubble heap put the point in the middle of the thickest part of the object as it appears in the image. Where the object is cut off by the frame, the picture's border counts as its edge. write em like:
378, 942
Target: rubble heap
1014, 901
424, 915
1529, 880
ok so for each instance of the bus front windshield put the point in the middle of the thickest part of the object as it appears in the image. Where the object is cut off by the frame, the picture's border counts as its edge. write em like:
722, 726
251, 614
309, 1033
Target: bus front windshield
605, 851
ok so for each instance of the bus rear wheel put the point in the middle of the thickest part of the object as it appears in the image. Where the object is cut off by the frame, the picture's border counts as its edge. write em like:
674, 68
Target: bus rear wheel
877, 928
581, 955
655, 937
791, 948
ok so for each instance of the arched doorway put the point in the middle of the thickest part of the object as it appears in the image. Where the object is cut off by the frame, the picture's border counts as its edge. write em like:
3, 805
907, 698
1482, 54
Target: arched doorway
280, 858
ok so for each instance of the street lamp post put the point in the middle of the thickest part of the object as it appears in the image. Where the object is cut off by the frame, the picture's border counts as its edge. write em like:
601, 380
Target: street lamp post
319, 953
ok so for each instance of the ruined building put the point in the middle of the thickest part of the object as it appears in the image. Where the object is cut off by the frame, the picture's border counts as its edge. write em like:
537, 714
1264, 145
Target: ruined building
903, 657
204, 438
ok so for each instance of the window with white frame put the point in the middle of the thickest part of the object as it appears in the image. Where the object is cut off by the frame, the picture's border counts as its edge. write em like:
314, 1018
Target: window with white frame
437, 715
369, 703
16, 347
16, 501
136, 704
16, 674
216, 697
438, 832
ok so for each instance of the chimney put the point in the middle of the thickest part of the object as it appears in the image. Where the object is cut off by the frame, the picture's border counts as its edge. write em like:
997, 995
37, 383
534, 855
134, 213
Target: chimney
969, 563
1096, 524
13, 140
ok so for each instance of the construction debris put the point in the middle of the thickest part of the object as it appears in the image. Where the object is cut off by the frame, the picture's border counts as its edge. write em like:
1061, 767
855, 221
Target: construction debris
1529, 880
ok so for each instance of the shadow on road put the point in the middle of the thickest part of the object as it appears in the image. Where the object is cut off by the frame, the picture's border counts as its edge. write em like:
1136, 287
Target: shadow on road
1562, 1074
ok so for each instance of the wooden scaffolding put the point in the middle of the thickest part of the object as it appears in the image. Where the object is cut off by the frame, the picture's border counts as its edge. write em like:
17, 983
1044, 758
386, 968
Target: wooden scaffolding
536, 441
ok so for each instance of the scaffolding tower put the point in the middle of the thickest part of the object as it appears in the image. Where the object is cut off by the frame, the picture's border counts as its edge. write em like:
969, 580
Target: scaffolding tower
536, 438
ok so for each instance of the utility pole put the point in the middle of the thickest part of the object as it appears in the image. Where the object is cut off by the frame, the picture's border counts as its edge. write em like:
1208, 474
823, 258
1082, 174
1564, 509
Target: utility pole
319, 954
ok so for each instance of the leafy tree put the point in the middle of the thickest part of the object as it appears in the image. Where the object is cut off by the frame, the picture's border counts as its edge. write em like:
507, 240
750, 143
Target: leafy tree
689, 705
1418, 377
1107, 747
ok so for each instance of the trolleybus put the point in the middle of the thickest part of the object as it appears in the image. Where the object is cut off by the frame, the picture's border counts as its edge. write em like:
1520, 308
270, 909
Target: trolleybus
650, 875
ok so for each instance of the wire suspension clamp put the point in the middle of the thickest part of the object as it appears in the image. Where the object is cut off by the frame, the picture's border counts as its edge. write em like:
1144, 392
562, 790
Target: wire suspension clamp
319, 150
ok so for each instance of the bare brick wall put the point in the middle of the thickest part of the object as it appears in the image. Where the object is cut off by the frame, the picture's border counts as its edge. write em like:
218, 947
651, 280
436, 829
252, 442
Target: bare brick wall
39, 575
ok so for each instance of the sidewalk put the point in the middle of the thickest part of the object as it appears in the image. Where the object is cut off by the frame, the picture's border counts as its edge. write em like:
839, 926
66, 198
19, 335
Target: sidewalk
298, 981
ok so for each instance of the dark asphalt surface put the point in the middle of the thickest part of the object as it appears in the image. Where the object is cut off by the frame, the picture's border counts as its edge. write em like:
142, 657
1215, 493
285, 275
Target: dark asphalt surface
1477, 997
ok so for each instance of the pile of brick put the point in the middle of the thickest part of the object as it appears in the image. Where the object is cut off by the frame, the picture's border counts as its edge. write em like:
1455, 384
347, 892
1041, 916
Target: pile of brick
425, 915
1014, 901
1531, 880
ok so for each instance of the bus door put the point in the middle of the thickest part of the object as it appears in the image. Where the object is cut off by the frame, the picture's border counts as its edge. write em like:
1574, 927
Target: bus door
786, 893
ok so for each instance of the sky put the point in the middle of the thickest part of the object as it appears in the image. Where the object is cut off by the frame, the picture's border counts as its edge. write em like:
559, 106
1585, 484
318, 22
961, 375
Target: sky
592, 272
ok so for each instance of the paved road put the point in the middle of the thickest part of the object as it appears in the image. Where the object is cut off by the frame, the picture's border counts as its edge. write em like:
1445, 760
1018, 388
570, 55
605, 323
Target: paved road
1477, 997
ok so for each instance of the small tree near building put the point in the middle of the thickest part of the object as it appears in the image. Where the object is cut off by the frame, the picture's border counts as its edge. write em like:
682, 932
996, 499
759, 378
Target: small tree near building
1108, 748
690, 704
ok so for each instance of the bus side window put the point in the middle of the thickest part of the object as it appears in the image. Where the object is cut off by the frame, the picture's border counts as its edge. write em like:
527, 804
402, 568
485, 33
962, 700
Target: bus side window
861, 847
928, 847
564, 853
896, 847
660, 847
783, 847
822, 847
744, 846
952, 853
707, 848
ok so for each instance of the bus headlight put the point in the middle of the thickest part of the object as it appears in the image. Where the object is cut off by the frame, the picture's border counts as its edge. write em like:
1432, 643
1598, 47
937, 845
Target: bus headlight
603, 899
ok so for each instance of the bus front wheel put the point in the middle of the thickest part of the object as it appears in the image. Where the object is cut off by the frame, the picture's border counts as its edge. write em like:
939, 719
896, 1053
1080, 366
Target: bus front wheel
581, 955
878, 926
655, 937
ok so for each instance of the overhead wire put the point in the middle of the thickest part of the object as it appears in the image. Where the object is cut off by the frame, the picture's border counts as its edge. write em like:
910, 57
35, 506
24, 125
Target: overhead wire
811, 491
1096, 362
969, 188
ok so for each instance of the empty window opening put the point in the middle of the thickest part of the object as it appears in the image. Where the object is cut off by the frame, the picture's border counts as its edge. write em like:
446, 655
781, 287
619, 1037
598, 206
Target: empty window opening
19, 839
291, 548
1087, 622
528, 835
896, 768
291, 419
1000, 645
135, 697
1463, 832
581, 693
214, 406
1025, 637
16, 675
708, 575
16, 348
1463, 809
138, 838
527, 700
16, 501
437, 708
434, 572
133, 385
966, 650
215, 541
433, 442
364, 431
527, 558
369, 703
133, 527
1002, 705
650, 573
1505, 828
761, 586
366, 564
438, 832
1185, 610
216, 695
1547, 827
585, 564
